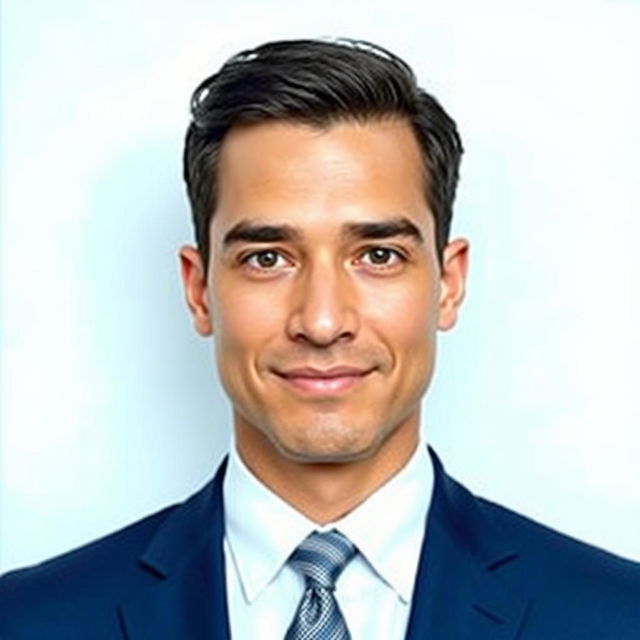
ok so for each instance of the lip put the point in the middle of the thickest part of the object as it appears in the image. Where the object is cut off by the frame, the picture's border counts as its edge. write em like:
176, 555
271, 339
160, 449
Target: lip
325, 382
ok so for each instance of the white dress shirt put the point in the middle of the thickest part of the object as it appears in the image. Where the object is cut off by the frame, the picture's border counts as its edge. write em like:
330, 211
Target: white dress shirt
375, 589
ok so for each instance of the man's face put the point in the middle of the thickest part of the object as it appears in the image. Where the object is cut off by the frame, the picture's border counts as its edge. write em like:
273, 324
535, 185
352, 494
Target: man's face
324, 291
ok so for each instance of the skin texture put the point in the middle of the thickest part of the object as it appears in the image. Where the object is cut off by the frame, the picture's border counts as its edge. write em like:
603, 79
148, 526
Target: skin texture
324, 332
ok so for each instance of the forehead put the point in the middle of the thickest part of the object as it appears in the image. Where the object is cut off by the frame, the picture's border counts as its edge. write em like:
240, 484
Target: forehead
306, 176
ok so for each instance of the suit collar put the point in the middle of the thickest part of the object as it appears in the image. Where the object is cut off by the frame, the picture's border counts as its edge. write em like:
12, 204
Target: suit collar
470, 526
186, 555
187, 529
459, 592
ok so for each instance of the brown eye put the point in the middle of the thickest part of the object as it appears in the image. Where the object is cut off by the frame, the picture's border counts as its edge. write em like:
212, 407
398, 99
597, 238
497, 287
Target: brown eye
382, 257
266, 260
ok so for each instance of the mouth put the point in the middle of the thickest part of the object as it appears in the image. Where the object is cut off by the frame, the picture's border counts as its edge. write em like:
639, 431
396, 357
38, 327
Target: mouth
323, 382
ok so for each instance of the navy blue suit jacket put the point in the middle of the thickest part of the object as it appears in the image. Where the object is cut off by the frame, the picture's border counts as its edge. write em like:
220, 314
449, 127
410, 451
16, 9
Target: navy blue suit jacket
485, 573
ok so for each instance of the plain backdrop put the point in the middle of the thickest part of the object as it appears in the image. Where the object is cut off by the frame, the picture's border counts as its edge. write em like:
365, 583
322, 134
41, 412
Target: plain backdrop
110, 404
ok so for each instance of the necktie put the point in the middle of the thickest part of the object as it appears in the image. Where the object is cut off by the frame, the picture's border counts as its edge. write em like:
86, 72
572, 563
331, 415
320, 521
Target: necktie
320, 558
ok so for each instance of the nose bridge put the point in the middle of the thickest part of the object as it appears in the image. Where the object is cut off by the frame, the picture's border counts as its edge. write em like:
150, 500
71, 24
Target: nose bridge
324, 310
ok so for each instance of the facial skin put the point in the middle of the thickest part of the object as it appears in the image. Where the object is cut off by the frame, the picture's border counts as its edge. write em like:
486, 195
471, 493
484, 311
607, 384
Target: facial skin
324, 295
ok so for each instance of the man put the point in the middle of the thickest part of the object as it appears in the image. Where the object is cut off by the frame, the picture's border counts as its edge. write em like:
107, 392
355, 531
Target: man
321, 180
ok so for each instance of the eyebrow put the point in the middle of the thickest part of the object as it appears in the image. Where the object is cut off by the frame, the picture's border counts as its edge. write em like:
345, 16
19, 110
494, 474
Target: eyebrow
249, 232
245, 231
381, 230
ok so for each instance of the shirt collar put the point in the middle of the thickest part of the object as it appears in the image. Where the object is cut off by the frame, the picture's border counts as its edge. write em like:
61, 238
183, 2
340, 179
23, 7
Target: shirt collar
262, 530
392, 545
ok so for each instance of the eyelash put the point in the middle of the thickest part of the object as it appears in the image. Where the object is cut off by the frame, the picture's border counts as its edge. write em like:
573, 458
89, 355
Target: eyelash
245, 260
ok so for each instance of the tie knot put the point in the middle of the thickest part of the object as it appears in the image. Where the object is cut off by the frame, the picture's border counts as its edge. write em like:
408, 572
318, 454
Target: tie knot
321, 557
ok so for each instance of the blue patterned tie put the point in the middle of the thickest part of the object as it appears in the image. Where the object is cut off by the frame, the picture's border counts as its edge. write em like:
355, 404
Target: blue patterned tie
320, 558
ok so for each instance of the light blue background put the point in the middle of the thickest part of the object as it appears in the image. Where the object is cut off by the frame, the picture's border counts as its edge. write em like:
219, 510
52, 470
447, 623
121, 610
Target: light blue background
110, 406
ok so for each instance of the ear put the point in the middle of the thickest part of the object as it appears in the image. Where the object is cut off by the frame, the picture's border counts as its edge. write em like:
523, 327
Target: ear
453, 276
195, 288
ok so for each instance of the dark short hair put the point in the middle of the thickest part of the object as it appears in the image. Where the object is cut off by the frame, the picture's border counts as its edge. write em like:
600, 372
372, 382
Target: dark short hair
319, 83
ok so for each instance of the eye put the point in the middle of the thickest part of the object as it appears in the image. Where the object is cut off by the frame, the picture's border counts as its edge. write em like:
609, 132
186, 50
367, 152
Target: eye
267, 259
382, 257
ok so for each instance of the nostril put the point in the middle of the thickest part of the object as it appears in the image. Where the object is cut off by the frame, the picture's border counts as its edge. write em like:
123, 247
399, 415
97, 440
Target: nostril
322, 340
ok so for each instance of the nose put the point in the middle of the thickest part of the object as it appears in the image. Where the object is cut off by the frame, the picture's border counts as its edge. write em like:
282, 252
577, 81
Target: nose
324, 310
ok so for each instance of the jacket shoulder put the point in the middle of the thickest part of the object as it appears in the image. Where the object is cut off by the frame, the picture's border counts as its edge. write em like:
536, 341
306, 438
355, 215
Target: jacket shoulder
37, 601
569, 579
80, 594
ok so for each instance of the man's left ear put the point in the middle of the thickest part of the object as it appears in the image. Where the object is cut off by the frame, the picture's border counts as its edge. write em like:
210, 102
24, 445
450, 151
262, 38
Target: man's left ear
453, 277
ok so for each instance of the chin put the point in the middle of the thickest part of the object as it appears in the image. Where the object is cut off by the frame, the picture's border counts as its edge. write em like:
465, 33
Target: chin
319, 455
326, 442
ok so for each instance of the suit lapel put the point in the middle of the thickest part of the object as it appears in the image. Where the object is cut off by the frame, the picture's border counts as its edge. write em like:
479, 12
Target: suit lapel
459, 594
186, 556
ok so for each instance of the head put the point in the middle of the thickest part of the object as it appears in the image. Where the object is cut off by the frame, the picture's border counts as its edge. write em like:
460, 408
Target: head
321, 180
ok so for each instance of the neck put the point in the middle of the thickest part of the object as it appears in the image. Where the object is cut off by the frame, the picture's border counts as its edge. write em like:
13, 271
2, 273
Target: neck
325, 492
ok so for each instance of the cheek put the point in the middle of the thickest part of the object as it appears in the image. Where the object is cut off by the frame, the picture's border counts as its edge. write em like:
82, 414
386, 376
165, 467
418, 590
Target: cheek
405, 315
244, 320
